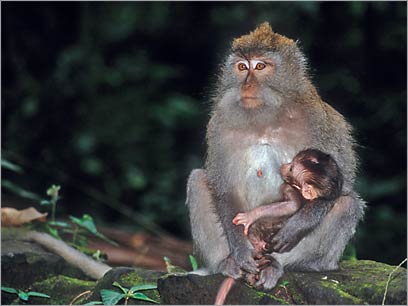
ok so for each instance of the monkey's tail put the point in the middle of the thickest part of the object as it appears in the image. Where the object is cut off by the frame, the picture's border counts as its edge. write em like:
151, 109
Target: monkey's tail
90, 267
225, 288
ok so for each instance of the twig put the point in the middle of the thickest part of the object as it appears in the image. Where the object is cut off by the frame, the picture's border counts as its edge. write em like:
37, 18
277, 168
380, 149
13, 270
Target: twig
79, 295
389, 279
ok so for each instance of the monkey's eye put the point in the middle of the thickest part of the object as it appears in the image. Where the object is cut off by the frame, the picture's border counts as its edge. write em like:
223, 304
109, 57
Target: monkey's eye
260, 66
291, 168
242, 67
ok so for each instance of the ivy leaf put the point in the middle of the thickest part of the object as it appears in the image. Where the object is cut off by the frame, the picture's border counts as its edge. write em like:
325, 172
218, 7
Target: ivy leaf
86, 222
8, 290
143, 287
22, 295
143, 297
52, 231
193, 262
116, 284
110, 297
39, 294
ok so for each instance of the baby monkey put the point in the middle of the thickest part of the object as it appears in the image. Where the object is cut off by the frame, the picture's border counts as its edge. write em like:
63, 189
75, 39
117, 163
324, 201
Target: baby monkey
312, 177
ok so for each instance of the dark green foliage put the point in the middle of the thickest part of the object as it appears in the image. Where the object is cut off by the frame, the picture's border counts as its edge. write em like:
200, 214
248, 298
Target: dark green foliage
110, 100
22, 295
110, 297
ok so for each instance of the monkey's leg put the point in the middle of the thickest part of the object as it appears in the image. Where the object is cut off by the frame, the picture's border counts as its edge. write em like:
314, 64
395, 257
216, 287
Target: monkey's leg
208, 236
322, 248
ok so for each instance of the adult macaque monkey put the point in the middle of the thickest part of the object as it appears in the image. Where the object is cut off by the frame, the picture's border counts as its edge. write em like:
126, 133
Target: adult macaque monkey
265, 110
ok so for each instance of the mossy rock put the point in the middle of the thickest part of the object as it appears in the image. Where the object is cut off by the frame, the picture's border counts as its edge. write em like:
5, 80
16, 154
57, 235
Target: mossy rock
127, 277
61, 289
23, 263
355, 283
201, 290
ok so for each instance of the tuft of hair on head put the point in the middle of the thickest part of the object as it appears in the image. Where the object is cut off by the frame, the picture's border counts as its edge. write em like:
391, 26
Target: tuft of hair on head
261, 38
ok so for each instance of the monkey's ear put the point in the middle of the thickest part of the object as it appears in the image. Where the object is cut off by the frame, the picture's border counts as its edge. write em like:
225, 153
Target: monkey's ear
309, 192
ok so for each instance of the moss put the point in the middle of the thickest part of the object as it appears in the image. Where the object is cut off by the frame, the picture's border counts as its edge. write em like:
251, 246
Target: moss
132, 278
344, 296
135, 278
62, 290
369, 279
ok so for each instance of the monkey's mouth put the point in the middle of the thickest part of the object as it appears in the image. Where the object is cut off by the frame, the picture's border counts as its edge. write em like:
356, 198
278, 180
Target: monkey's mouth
251, 102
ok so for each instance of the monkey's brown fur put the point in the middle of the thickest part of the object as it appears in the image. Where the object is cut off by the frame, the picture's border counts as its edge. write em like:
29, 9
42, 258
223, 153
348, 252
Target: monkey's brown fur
262, 37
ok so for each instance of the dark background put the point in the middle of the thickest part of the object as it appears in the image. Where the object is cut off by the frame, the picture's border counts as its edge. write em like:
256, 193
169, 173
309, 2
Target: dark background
110, 101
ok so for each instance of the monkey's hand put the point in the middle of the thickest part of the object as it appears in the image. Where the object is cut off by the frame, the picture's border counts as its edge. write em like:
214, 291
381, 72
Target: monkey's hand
244, 219
285, 240
270, 274
244, 257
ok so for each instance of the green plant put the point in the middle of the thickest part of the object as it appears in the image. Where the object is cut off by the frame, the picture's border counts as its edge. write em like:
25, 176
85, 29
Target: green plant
193, 262
79, 226
110, 297
22, 295
53, 193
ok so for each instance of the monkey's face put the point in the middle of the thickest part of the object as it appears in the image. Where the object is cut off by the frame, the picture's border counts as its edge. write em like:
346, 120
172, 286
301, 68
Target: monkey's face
252, 74
255, 79
296, 175
289, 174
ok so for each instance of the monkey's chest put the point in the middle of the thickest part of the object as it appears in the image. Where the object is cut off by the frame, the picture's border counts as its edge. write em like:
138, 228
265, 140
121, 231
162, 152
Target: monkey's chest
260, 178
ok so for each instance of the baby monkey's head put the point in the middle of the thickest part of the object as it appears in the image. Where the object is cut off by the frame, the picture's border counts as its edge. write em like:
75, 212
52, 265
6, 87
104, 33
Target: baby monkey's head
315, 173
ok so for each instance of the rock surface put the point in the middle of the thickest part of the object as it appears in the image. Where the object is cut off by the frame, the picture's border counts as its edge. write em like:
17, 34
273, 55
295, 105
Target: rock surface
356, 282
27, 266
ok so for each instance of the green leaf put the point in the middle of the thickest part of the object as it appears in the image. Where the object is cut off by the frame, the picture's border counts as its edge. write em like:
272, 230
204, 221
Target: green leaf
116, 284
22, 295
193, 262
143, 297
284, 283
11, 166
143, 287
110, 297
52, 231
59, 224
53, 191
45, 202
85, 222
8, 289
19, 191
39, 294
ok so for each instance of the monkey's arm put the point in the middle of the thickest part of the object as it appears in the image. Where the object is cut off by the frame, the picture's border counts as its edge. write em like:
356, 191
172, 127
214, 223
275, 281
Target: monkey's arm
274, 211
240, 248
300, 224
90, 267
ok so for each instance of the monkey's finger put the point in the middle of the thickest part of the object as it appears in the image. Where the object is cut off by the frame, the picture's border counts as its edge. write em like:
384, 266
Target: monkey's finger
246, 228
261, 263
249, 266
286, 248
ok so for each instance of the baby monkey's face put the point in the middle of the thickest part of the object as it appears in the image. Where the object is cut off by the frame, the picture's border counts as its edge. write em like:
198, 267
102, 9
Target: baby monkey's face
292, 173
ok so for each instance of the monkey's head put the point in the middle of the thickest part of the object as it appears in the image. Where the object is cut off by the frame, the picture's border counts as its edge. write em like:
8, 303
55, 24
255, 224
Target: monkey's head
315, 173
263, 70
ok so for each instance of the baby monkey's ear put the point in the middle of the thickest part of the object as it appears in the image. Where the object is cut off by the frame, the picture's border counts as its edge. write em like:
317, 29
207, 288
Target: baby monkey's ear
309, 192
